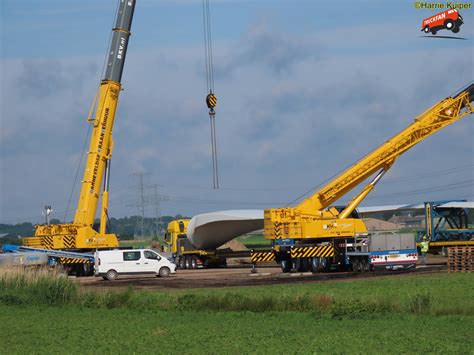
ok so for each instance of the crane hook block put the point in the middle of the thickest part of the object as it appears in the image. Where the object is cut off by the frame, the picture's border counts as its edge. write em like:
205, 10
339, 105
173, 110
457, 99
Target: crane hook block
211, 101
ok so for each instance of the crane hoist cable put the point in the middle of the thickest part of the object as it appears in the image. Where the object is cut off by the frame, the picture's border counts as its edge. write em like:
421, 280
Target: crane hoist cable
211, 99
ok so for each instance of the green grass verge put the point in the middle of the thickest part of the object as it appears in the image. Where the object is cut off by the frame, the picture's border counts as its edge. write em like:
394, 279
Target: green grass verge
416, 294
78, 330
46, 313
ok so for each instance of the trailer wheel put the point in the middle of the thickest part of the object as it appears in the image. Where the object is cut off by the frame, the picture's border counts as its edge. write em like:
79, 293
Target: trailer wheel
181, 263
187, 262
111, 275
164, 272
193, 262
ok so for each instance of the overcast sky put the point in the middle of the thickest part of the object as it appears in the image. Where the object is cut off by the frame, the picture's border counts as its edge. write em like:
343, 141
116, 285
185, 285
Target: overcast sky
305, 89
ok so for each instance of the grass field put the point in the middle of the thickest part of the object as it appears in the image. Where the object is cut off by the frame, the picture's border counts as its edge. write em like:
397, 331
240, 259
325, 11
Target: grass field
409, 314
83, 330
255, 241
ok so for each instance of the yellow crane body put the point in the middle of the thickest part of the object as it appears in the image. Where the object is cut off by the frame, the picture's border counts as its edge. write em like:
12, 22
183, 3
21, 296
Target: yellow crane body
80, 234
314, 218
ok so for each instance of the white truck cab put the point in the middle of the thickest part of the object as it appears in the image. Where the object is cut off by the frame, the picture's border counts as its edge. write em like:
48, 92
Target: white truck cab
109, 264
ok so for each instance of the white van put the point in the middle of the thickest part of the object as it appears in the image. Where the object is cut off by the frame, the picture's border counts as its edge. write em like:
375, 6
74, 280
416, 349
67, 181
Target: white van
109, 264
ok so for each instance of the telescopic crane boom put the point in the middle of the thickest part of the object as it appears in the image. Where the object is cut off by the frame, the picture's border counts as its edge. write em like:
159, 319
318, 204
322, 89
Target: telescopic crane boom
314, 218
80, 234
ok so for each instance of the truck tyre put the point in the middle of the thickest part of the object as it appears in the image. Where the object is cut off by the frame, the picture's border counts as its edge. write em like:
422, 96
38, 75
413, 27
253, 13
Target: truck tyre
111, 275
433, 32
303, 265
355, 265
193, 262
187, 262
285, 265
295, 264
325, 264
426, 29
364, 265
164, 272
455, 29
88, 270
314, 265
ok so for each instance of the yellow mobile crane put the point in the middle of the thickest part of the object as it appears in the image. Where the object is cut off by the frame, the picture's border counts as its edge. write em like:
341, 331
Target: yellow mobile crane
313, 233
80, 234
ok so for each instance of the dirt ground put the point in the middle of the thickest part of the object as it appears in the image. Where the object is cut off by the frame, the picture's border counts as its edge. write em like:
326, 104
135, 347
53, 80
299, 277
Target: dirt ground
242, 276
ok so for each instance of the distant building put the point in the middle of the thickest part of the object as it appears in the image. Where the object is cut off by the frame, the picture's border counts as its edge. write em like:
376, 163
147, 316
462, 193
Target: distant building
374, 224
408, 221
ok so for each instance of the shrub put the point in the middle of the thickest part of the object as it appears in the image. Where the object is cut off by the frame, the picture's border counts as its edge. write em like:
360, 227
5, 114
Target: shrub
36, 286
419, 303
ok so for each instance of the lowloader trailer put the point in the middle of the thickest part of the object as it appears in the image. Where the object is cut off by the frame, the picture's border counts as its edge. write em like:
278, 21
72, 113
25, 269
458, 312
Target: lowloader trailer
187, 256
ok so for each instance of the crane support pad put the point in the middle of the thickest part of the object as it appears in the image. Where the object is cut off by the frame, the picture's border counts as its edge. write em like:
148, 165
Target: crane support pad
261, 256
309, 252
74, 261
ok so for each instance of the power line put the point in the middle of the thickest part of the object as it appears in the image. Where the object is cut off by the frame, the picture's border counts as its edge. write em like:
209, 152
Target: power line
458, 185
427, 174
142, 225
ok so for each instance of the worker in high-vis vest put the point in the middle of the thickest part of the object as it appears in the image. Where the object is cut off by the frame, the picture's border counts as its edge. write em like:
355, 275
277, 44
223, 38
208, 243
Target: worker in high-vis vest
424, 246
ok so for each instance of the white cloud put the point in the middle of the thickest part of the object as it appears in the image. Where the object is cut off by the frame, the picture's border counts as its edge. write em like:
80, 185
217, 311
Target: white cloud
293, 110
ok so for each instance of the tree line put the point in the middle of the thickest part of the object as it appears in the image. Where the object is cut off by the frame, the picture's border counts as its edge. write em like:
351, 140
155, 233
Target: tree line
124, 227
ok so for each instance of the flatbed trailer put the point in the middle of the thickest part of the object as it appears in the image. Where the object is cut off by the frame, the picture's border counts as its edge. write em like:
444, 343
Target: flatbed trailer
380, 251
